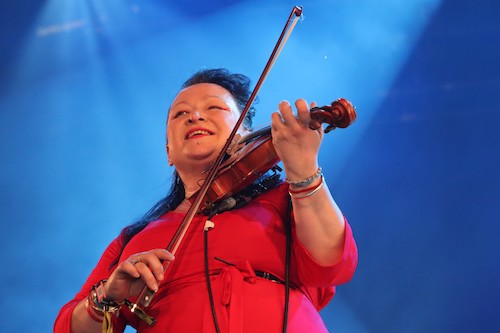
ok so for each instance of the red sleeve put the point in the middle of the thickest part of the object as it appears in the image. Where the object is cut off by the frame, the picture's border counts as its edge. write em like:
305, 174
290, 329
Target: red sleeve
312, 274
309, 272
101, 271
318, 282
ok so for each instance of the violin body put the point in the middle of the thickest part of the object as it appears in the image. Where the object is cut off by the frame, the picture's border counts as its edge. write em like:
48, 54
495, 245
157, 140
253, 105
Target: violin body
252, 161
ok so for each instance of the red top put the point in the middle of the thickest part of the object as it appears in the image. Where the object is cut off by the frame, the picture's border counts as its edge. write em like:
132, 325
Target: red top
253, 239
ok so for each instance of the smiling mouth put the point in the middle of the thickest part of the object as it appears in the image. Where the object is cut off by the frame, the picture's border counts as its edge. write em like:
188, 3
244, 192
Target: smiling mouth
197, 133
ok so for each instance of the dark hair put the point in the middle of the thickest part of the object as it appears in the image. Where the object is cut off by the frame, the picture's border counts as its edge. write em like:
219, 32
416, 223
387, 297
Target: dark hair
239, 86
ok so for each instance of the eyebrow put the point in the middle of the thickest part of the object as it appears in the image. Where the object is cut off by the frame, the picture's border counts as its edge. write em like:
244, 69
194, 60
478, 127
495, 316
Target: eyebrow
206, 97
180, 102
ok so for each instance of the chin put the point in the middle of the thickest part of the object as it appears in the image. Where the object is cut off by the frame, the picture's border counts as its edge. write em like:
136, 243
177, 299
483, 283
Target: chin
203, 156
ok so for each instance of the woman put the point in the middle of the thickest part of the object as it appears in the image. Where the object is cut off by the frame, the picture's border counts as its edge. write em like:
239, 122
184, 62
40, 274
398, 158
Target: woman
246, 249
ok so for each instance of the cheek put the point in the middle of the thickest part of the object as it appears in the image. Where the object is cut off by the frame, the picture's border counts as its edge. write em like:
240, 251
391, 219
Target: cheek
170, 133
230, 120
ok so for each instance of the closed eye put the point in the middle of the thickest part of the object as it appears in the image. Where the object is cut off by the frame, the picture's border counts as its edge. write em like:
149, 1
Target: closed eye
218, 107
179, 113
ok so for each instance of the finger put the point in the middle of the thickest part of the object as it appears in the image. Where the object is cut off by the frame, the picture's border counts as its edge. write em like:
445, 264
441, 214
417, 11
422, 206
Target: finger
277, 121
153, 260
287, 113
158, 266
303, 114
163, 254
147, 275
129, 268
153, 255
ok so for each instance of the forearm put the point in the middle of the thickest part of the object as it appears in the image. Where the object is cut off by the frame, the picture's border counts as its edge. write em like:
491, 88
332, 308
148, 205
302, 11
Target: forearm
319, 224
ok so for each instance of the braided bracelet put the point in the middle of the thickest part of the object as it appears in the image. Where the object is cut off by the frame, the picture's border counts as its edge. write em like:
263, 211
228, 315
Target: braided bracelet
96, 316
307, 181
98, 301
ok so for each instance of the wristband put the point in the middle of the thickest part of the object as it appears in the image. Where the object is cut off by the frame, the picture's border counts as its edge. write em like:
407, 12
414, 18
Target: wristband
307, 181
100, 303
92, 312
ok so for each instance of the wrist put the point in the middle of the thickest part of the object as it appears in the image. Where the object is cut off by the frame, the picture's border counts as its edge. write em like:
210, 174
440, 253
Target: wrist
307, 181
100, 302
108, 292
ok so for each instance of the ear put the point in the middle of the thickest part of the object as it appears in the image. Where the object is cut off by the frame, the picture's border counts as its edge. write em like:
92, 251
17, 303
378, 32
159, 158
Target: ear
168, 156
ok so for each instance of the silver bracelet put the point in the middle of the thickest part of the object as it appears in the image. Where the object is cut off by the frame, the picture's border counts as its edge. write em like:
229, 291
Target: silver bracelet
308, 181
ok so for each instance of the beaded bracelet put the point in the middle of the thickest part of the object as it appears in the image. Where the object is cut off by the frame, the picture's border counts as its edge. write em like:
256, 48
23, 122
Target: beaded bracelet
304, 193
308, 181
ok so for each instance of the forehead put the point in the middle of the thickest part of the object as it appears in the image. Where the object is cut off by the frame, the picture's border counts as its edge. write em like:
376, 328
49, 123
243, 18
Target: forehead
202, 91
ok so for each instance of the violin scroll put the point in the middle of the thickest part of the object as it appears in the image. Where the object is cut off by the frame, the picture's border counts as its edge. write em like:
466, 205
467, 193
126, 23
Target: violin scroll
341, 113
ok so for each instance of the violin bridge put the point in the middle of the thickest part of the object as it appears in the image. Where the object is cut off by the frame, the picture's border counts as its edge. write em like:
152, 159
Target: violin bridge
235, 145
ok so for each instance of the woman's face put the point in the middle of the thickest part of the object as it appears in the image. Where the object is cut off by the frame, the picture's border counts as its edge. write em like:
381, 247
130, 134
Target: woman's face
200, 120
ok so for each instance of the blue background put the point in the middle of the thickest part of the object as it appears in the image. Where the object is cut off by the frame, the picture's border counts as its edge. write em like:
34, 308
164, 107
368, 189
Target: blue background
84, 90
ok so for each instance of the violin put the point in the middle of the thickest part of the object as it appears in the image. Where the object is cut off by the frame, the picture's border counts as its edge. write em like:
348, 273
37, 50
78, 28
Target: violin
255, 153
241, 162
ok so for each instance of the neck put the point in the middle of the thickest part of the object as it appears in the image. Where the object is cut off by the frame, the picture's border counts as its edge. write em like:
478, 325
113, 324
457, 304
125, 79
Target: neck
183, 206
192, 179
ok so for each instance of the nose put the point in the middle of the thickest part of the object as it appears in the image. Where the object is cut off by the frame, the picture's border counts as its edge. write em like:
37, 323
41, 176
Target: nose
195, 116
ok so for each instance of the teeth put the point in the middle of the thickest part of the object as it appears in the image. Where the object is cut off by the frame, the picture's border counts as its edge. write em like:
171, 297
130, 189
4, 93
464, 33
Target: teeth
198, 132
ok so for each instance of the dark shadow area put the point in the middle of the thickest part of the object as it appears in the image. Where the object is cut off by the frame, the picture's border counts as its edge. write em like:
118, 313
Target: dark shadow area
426, 177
